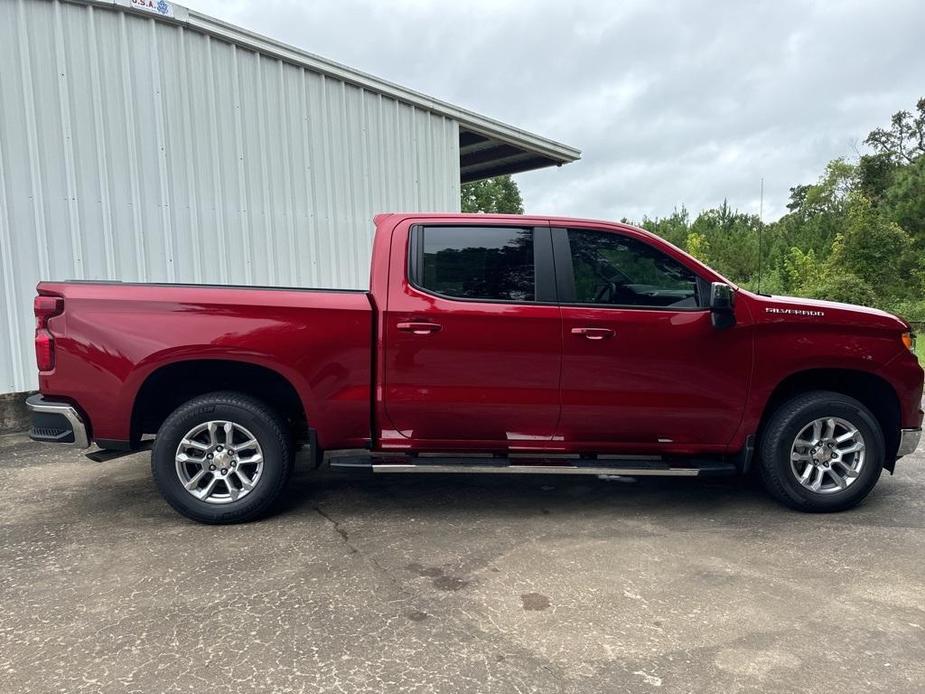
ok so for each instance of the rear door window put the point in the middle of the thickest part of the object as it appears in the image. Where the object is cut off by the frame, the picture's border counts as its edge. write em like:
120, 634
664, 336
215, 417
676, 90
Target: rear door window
478, 263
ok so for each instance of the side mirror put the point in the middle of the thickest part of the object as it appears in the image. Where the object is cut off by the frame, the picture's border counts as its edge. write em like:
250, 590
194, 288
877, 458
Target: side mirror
721, 305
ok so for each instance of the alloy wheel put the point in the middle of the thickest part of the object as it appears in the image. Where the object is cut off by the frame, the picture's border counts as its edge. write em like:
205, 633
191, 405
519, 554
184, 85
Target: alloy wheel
827, 455
219, 462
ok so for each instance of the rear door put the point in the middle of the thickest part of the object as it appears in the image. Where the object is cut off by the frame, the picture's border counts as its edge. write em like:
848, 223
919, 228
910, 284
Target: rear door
643, 368
473, 337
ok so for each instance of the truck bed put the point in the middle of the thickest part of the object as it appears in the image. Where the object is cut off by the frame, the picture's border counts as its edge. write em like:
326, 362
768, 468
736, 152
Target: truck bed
112, 336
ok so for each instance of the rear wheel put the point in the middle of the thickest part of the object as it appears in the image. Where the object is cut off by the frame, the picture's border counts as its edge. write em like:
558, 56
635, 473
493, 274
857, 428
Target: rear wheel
821, 451
222, 458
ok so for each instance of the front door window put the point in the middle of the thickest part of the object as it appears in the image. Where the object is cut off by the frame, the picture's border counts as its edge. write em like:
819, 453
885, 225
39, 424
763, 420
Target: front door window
616, 270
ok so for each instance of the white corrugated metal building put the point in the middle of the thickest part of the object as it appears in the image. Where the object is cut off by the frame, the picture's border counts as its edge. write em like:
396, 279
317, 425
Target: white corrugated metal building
143, 141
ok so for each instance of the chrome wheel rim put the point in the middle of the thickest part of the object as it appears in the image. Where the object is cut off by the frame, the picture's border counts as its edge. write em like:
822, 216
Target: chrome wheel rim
219, 462
827, 455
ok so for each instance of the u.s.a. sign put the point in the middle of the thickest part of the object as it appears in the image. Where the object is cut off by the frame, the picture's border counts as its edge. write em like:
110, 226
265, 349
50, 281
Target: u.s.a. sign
161, 7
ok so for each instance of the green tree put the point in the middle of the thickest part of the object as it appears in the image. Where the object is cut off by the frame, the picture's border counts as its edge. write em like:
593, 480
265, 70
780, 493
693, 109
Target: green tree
817, 214
904, 200
873, 248
808, 276
797, 198
673, 228
829, 194
876, 173
801, 270
499, 194
732, 240
904, 140
698, 246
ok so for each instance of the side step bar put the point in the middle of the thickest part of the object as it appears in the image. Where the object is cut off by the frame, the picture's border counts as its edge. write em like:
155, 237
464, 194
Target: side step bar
539, 470
630, 467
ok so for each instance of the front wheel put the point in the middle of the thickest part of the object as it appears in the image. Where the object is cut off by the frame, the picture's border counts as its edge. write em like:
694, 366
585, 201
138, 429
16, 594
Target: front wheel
821, 451
222, 458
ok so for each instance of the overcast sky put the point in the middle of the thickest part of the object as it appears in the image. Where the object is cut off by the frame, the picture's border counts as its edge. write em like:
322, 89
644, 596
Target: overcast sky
671, 102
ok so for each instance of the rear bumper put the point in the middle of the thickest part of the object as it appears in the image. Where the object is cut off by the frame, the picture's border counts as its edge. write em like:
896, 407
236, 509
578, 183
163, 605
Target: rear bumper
56, 422
908, 441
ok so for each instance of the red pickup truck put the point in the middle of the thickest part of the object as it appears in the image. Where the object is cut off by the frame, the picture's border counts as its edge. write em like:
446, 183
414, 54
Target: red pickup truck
486, 343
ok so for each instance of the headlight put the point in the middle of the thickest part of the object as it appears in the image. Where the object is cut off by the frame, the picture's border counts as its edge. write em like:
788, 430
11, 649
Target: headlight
909, 341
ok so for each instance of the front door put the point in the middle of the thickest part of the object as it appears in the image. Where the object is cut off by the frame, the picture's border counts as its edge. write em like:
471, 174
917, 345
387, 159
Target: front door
643, 369
473, 340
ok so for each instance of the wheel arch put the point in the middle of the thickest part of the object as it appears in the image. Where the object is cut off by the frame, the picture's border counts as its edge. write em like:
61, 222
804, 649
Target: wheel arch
170, 385
873, 391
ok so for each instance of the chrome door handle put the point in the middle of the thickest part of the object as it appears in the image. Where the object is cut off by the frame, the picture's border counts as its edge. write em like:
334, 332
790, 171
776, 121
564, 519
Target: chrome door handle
593, 333
419, 327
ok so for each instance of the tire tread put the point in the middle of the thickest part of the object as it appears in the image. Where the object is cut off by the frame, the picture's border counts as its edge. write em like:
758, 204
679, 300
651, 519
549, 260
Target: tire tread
270, 419
772, 476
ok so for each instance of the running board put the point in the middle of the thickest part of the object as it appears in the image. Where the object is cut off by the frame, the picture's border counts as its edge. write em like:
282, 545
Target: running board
638, 466
539, 470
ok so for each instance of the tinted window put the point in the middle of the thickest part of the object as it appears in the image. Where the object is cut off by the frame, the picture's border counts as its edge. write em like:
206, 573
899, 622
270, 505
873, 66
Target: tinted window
622, 271
479, 263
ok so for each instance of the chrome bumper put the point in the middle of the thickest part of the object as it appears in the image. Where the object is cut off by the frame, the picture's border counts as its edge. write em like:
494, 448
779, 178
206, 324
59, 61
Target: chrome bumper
60, 432
908, 441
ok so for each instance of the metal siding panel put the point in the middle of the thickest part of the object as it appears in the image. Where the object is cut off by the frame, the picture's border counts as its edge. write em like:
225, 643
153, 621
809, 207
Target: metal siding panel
271, 182
250, 172
298, 189
263, 191
63, 70
337, 251
165, 268
215, 257
141, 150
177, 162
237, 90
120, 166
322, 194
309, 260
15, 207
11, 366
406, 157
94, 165
131, 162
353, 138
371, 200
453, 189
230, 259
35, 91
287, 149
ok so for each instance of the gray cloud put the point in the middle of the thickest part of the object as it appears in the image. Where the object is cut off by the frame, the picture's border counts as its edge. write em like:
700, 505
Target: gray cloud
672, 102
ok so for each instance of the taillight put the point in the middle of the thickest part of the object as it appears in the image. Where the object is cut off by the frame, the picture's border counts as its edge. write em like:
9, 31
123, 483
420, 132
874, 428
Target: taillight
45, 307
44, 350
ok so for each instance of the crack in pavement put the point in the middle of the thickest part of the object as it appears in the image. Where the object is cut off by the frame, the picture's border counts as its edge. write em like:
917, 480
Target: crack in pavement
344, 535
339, 530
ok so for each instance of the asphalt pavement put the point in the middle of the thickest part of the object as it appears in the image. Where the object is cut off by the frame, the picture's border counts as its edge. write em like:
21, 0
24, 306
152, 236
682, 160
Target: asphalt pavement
454, 584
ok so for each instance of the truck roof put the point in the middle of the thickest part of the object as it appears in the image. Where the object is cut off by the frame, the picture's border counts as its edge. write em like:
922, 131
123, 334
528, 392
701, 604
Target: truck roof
492, 217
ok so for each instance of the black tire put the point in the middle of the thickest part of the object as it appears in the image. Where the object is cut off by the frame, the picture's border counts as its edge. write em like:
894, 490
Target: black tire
266, 427
789, 420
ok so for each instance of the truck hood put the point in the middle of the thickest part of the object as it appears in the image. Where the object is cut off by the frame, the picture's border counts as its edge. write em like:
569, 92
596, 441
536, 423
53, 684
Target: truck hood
791, 309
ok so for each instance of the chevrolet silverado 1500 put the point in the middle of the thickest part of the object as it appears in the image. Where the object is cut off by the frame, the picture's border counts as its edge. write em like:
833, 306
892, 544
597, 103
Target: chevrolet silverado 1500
486, 343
